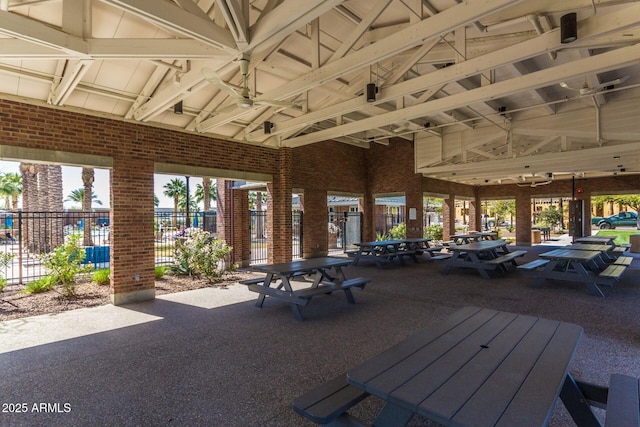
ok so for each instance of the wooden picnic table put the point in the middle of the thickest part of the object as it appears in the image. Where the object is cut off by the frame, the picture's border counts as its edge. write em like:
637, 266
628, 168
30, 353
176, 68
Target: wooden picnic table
604, 249
386, 251
606, 240
319, 276
482, 255
574, 265
478, 367
462, 239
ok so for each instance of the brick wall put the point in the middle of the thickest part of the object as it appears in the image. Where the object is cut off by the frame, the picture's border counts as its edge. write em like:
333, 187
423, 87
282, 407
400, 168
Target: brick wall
324, 167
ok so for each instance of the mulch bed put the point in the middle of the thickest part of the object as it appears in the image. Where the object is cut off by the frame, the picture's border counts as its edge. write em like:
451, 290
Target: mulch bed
14, 304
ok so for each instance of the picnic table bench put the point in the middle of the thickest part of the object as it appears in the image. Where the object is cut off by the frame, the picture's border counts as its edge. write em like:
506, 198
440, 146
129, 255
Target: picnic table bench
621, 399
314, 273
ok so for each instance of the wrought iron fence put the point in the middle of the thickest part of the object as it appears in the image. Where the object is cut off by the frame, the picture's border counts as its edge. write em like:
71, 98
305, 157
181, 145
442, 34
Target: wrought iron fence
344, 229
169, 228
258, 236
385, 222
27, 235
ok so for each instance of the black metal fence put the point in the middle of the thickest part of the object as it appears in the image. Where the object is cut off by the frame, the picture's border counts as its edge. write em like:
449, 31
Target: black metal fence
258, 236
385, 222
169, 227
26, 235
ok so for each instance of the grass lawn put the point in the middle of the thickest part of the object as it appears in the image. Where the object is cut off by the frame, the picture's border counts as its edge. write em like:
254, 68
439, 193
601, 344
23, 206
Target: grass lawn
622, 236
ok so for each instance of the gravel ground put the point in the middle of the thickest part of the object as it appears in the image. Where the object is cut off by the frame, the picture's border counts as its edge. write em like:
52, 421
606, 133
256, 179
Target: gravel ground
15, 304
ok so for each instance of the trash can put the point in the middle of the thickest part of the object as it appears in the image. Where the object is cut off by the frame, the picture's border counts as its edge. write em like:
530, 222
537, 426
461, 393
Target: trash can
535, 236
634, 239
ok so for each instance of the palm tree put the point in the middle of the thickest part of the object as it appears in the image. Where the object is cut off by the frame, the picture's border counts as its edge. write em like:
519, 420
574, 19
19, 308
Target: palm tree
88, 177
55, 204
77, 196
176, 189
206, 192
29, 175
10, 189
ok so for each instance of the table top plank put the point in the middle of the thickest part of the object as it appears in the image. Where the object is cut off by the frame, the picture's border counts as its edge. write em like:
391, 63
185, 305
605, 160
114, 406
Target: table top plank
553, 363
377, 364
479, 373
479, 368
309, 264
570, 254
481, 245
499, 389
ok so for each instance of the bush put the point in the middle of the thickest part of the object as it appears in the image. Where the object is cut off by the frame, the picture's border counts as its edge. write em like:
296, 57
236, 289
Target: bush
43, 284
5, 259
201, 254
64, 263
434, 231
159, 271
398, 232
101, 276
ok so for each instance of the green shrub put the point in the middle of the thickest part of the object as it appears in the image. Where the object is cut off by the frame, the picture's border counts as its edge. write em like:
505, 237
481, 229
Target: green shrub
434, 231
201, 254
101, 276
43, 284
64, 263
398, 232
159, 271
381, 236
5, 259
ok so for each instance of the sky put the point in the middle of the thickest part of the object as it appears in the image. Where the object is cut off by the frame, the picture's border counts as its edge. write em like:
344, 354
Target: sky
72, 180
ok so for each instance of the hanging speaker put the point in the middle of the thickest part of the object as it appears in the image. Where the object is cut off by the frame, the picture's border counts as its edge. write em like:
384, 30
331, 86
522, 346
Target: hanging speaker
177, 108
569, 28
267, 127
371, 92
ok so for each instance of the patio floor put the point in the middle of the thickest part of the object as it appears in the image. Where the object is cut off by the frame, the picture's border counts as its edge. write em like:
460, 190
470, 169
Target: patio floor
209, 357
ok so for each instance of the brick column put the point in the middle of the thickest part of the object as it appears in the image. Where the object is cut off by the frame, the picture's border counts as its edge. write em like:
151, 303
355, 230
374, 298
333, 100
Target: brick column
523, 218
414, 227
475, 210
279, 222
585, 196
132, 257
315, 240
448, 217
368, 209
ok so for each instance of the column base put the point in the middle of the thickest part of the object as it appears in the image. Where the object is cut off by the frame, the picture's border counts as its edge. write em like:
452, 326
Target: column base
131, 297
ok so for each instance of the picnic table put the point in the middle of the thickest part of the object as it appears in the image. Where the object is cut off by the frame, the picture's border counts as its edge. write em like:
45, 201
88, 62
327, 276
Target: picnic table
478, 367
576, 265
319, 276
482, 256
388, 250
604, 240
461, 239
604, 249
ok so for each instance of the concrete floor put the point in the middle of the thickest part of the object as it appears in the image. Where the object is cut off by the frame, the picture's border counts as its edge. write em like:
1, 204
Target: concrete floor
209, 357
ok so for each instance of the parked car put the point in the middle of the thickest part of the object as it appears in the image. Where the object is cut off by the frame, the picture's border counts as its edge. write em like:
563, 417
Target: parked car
629, 219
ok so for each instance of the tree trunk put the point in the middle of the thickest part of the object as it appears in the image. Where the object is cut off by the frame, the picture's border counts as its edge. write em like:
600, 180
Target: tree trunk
206, 189
50, 190
88, 177
29, 204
